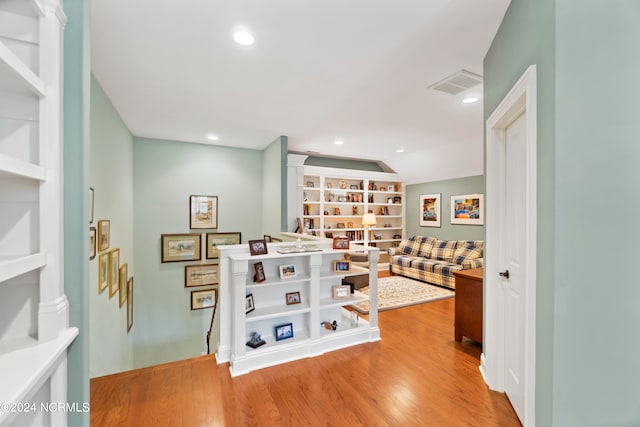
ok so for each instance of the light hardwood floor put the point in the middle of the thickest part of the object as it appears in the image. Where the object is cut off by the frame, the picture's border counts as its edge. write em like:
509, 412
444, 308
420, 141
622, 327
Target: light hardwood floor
416, 376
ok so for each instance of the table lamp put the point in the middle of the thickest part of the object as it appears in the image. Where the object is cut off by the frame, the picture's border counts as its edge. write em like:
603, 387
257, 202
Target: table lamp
368, 221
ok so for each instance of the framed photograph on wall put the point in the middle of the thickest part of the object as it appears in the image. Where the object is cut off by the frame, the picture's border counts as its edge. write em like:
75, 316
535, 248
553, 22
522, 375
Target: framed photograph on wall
219, 239
430, 210
103, 272
180, 247
203, 299
103, 234
129, 304
467, 209
203, 212
114, 276
200, 275
92, 242
122, 283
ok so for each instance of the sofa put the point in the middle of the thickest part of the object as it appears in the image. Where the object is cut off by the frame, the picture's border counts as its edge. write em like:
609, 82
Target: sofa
432, 260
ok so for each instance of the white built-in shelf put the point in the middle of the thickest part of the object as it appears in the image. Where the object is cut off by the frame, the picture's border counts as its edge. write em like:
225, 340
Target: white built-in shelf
299, 336
25, 370
15, 266
21, 168
24, 7
277, 311
15, 76
276, 282
356, 298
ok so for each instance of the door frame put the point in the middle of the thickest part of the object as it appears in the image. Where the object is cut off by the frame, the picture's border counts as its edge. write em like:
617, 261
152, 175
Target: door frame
521, 99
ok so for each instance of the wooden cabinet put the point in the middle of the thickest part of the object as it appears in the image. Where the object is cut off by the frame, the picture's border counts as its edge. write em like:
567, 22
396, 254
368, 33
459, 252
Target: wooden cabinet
469, 304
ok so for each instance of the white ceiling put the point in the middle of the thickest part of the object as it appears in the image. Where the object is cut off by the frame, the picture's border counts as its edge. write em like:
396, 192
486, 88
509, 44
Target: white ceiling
356, 70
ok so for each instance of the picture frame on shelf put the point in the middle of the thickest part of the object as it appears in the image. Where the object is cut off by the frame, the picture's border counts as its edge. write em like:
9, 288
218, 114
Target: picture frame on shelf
203, 212
341, 291
122, 283
340, 225
353, 187
389, 200
293, 298
249, 304
430, 210
391, 188
114, 276
213, 240
336, 211
340, 242
288, 271
104, 235
92, 242
258, 268
91, 204
203, 299
342, 266
201, 275
310, 184
129, 304
267, 238
258, 247
284, 331
329, 185
181, 247
349, 224
467, 209
397, 200
103, 271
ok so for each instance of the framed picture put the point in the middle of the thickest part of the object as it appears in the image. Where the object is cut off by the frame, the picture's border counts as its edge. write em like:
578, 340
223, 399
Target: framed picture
103, 234
267, 238
181, 247
341, 291
430, 210
92, 242
467, 209
341, 242
391, 188
288, 271
249, 305
397, 199
219, 239
129, 304
282, 332
103, 271
259, 270
310, 184
91, 195
203, 299
340, 225
258, 247
200, 275
293, 298
114, 276
389, 200
122, 283
354, 187
329, 185
203, 212
342, 266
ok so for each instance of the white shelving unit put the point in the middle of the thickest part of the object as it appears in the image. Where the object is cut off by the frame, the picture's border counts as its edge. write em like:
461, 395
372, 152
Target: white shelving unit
314, 281
34, 312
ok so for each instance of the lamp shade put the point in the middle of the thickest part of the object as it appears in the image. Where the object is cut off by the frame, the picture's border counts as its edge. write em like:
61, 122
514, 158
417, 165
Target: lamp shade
369, 219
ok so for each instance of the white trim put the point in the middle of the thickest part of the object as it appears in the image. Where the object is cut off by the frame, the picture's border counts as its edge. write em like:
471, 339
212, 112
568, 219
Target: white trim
522, 98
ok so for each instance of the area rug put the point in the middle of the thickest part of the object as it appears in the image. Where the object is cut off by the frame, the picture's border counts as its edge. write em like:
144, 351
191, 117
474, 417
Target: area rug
398, 291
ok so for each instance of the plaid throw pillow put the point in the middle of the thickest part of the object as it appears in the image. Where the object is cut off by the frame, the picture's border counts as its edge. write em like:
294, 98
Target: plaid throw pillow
443, 250
426, 247
411, 246
467, 251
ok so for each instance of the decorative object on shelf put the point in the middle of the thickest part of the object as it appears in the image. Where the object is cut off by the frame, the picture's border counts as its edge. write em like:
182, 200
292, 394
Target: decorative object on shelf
284, 331
310, 184
328, 197
91, 198
389, 200
430, 210
353, 319
104, 235
377, 235
258, 247
181, 247
329, 185
103, 271
329, 235
293, 298
353, 187
368, 221
354, 210
467, 209
200, 275
336, 211
342, 266
397, 236
340, 225
259, 272
299, 228
203, 212
92, 242
114, 276
129, 304
218, 239
383, 189
340, 242
397, 199
267, 238
305, 196
331, 326
342, 199
350, 224
326, 212
288, 271
122, 283
249, 304
255, 340
343, 184
203, 299
391, 188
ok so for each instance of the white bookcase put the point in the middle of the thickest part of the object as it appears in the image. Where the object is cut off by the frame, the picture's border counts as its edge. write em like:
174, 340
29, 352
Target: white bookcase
314, 281
34, 311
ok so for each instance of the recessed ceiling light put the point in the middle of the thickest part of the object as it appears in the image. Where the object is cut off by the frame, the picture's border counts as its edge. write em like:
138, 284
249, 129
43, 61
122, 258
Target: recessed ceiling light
338, 142
244, 38
212, 137
469, 100
400, 150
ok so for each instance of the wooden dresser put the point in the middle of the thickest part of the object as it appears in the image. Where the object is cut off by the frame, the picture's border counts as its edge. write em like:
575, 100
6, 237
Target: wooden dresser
469, 304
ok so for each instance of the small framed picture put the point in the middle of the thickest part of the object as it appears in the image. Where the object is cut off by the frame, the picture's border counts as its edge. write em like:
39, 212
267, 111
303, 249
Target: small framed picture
390, 200
249, 305
353, 187
283, 332
180, 247
349, 224
258, 247
341, 242
288, 271
103, 272
342, 266
218, 239
103, 234
310, 184
341, 291
293, 298
397, 199
129, 304
200, 275
203, 212
391, 188
91, 197
336, 211
329, 185
203, 299
92, 242
340, 225
114, 277
122, 283
259, 270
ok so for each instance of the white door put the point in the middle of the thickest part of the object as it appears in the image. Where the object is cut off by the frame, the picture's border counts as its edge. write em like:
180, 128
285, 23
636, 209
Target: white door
514, 262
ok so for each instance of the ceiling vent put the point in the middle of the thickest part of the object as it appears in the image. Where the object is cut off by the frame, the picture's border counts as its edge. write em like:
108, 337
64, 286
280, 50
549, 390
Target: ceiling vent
457, 82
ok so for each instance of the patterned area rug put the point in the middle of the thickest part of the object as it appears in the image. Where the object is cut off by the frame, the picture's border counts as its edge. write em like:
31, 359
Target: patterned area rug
398, 291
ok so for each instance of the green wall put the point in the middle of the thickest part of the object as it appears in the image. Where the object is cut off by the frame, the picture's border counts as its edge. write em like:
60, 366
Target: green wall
111, 176
273, 178
166, 173
446, 188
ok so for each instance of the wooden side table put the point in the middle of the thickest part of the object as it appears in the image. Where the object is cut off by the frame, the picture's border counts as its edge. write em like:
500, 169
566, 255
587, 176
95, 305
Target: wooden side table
469, 304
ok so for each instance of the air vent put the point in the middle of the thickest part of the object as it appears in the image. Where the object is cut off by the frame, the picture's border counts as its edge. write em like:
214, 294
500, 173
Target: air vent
457, 82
